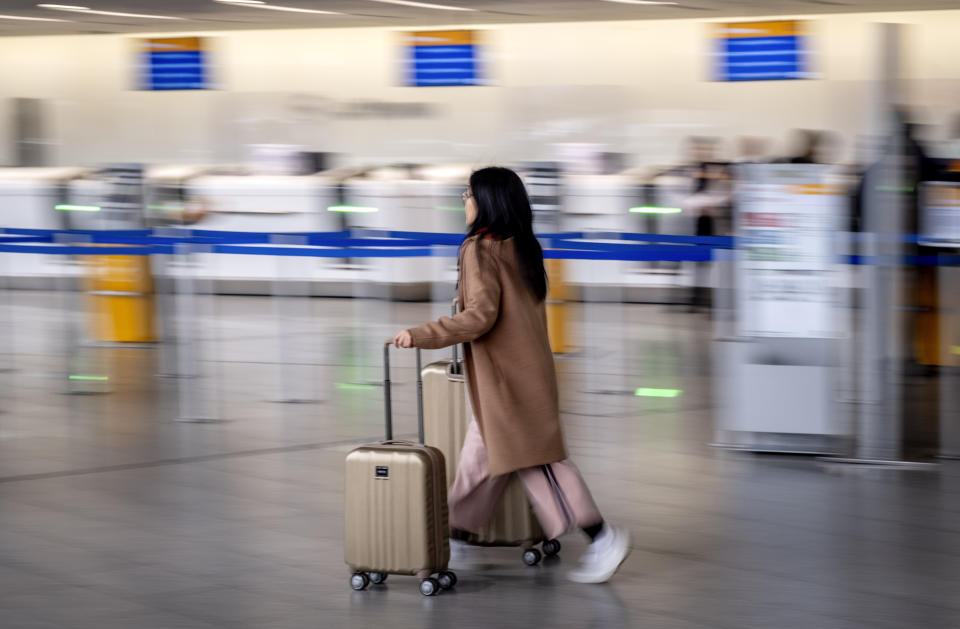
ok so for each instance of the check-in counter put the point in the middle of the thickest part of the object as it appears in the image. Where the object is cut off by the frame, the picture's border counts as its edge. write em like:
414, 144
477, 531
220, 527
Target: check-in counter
415, 199
36, 198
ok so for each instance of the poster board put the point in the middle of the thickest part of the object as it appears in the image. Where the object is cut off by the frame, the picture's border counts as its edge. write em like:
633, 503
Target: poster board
787, 219
940, 214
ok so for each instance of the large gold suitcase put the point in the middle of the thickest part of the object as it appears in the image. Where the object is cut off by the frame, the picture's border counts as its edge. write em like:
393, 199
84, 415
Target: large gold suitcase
445, 420
396, 508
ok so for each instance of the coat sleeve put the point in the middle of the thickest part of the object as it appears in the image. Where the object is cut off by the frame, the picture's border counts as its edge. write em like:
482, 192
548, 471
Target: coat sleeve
481, 285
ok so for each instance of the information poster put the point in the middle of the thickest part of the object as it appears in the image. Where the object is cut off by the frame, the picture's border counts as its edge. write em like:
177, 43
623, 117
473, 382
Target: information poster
940, 214
786, 224
442, 58
760, 51
174, 63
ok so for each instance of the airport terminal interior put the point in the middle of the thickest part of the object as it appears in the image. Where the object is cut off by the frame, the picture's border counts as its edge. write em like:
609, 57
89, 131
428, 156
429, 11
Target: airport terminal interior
214, 214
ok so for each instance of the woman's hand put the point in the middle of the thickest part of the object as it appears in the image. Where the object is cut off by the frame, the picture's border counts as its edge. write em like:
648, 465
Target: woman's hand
403, 339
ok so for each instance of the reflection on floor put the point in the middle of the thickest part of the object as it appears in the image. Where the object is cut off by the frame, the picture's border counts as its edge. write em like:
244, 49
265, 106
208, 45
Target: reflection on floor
113, 514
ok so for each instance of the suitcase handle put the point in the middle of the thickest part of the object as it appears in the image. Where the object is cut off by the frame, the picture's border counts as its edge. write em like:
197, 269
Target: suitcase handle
455, 367
388, 399
454, 373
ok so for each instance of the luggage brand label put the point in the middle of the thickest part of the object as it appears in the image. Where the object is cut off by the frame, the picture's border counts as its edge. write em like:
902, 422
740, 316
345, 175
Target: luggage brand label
382, 471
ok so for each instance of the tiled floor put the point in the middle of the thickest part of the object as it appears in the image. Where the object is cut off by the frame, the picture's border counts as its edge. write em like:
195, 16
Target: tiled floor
113, 514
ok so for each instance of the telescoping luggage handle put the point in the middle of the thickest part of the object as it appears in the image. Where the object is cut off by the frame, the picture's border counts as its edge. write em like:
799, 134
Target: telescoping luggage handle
455, 366
388, 401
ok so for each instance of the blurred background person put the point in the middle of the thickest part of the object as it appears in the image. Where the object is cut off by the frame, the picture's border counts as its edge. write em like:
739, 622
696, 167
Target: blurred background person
828, 148
752, 150
710, 204
804, 146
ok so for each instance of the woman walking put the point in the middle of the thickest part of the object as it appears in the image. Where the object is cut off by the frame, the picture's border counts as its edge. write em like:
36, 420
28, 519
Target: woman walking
511, 380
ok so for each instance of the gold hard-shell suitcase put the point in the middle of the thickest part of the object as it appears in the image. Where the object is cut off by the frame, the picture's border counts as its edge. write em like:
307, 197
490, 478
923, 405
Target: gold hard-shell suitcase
445, 420
396, 507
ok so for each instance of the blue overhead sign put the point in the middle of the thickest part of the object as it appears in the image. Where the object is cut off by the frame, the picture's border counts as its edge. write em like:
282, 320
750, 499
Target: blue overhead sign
760, 51
442, 58
174, 63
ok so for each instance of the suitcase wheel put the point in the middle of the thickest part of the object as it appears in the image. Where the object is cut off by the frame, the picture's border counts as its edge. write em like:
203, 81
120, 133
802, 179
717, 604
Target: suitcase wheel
359, 581
429, 587
377, 577
447, 580
531, 556
551, 547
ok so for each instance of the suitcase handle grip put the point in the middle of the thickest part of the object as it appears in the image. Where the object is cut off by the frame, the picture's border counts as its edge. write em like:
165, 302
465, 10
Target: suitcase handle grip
454, 373
388, 398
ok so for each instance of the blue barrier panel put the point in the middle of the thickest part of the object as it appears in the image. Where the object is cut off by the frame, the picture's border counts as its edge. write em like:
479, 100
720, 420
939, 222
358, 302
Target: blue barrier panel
322, 240
384, 244
718, 242
234, 237
434, 238
75, 250
345, 252
15, 239
638, 254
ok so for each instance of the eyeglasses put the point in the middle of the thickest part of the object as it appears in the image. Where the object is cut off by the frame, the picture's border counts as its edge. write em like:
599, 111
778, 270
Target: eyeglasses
466, 195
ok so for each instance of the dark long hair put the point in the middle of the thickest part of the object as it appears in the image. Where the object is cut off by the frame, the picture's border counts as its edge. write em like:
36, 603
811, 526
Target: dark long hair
503, 211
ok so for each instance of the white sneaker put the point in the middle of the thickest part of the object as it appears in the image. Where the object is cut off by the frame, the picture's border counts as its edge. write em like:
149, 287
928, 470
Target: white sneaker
458, 550
603, 557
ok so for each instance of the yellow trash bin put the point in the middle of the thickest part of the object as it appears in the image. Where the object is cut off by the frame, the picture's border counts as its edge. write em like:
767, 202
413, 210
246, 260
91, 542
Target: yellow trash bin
120, 290
557, 307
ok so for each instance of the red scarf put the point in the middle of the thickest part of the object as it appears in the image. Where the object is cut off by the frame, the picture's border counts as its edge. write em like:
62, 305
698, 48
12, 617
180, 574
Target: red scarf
484, 232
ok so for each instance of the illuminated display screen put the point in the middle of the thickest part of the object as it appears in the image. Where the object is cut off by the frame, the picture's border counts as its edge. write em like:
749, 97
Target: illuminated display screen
760, 51
174, 63
442, 58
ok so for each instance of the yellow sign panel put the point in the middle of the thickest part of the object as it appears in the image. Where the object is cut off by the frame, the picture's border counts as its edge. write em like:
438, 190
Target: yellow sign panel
813, 188
738, 30
441, 38
173, 44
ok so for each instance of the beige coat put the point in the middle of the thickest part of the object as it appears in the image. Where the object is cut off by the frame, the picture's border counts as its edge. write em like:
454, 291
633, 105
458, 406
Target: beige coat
509, 364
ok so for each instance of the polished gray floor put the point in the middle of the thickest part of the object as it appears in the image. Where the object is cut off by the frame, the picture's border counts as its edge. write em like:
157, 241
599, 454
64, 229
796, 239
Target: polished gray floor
114, 514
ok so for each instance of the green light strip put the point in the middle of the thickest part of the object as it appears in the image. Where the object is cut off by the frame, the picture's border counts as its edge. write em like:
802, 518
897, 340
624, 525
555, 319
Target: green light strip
905, 189
352, 208
348, 386
66, 207
649, 392
74, 376
649, 209
955, 349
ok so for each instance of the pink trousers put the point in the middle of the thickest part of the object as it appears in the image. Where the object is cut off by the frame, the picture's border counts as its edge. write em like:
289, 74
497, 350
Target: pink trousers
560, 499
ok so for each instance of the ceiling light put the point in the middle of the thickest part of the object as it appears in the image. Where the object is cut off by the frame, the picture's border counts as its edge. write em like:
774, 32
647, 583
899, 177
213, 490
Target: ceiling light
293, 9
647, 2
260, 4
30, 19
424, 5
138, 15
88, 11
